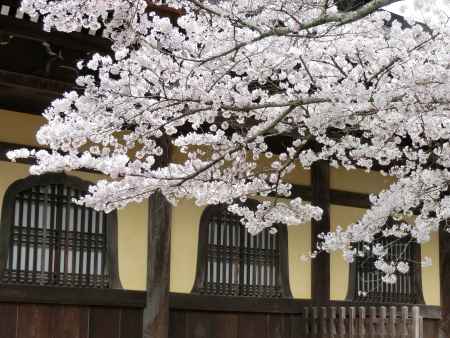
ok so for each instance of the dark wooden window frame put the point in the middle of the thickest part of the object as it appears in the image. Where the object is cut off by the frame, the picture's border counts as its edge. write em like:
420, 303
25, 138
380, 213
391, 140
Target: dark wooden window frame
202, 253
352, 292
48, 179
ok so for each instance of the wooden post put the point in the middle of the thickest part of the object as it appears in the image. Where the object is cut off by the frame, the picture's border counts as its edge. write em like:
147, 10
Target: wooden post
156, 313
444, 259
320, 266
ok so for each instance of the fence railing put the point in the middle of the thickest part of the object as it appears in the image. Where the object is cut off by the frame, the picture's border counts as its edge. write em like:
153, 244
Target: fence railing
362, 322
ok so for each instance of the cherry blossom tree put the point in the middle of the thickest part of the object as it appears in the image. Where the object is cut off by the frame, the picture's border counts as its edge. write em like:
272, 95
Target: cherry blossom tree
339, 80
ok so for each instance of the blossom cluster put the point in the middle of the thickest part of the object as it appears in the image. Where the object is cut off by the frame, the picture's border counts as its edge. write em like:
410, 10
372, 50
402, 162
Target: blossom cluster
229, 77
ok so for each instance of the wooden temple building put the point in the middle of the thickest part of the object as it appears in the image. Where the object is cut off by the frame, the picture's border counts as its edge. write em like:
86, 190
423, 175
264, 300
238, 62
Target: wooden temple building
152, 270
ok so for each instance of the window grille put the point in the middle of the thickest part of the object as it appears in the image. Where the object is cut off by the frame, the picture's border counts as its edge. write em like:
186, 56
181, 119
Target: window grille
234, 263
368, 286
51, 240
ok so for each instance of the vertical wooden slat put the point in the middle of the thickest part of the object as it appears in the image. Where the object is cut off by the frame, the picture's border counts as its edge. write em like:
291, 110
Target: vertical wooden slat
89, 247
66, 228
28, 236
45, 244
96, 246
382, 321
416, 325
341, 326
36, 230
306, 321
392, 321
83, 234
323, 321
361, 321
332, 320
404, 322
351, 321
372, 321
19, 239
75, 235
315, 321
230, 258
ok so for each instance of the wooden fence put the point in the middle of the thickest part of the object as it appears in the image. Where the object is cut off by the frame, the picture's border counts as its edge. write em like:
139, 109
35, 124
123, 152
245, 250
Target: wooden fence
46, 312
198, 316
362, 322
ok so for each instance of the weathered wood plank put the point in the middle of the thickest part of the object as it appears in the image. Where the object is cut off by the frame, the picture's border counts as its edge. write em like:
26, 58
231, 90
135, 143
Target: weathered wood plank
177, 324
8, 320
198, 325
70, 322
104, 322
131, 323
252, 325
34, 321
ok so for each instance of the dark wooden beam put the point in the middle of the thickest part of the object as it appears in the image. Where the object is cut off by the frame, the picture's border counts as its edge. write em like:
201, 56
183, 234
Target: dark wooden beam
29, 93
70, 296
75, 41
339, 197
320, 266
444, 260
191, 302
156, 313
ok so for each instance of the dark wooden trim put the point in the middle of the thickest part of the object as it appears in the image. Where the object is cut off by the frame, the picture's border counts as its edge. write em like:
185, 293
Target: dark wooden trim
320, 266
7, 146
47, 179
40, 85
444, 269
284, 261
75, 41
338, 197
156, 313
202, 252
191, 302
71, 296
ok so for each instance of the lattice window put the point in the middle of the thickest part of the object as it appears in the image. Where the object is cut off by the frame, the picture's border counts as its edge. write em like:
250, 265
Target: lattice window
232, 262
368, 286
53, 241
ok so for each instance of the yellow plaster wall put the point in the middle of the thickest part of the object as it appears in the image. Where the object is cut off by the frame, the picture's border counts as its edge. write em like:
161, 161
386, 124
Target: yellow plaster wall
358, 180
184, 243
299, 243
430, 275
342, 216
19, 127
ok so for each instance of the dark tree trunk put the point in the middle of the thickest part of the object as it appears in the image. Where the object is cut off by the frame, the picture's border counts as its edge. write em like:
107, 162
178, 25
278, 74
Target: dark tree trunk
320, 266
156, 313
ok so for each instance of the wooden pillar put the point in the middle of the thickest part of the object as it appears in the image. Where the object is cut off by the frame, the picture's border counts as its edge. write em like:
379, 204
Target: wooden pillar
444, 268
156, 313
320, 266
